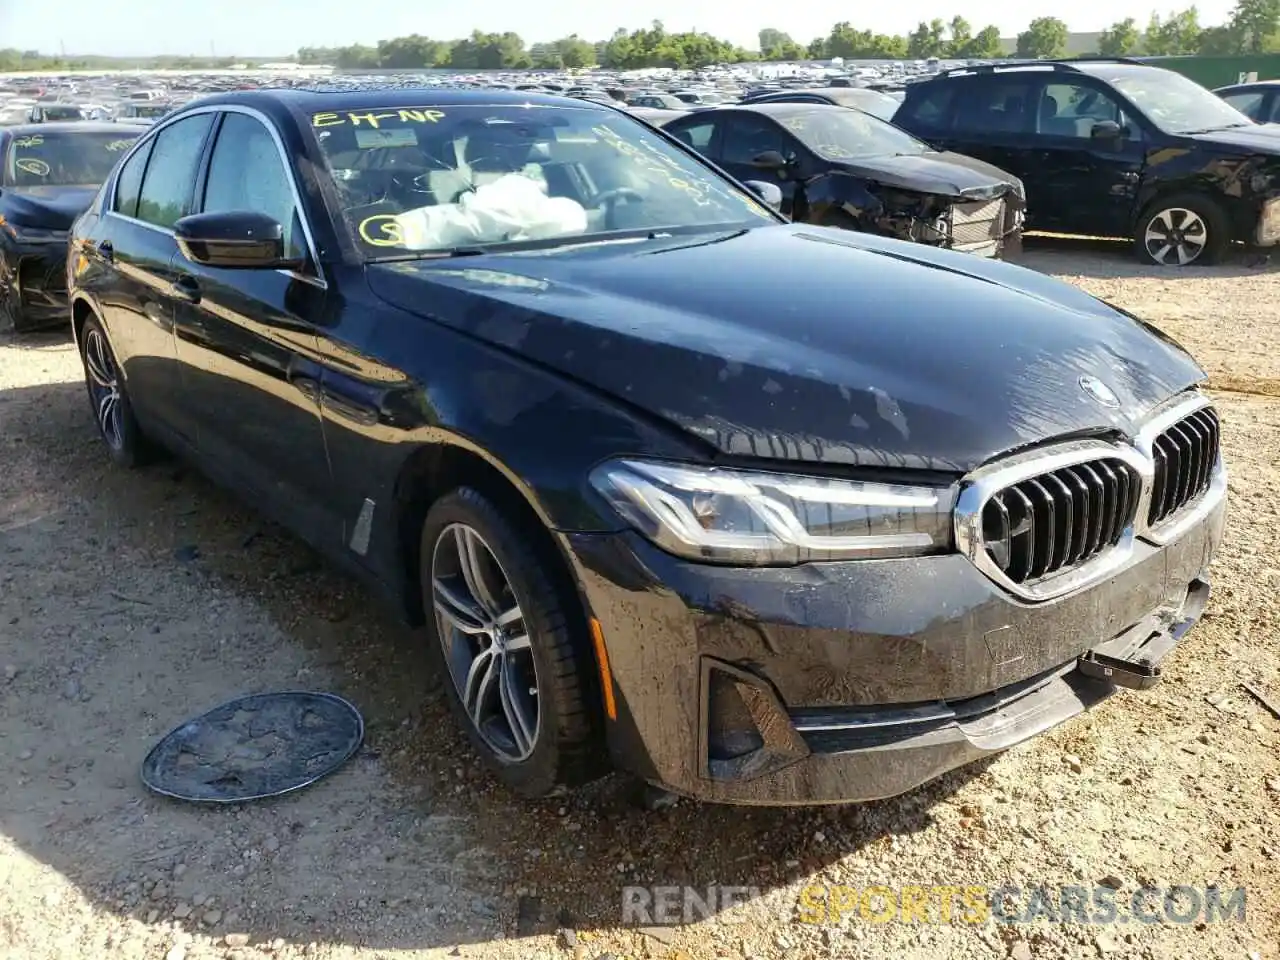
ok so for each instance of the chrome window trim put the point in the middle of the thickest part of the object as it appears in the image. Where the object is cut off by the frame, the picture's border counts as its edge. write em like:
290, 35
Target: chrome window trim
978, 487
158, 128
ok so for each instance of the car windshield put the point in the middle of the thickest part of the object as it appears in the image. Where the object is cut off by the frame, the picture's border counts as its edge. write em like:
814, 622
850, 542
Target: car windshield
147, 110
64, 158
869, 101
838, 133
432, 180
1177, 104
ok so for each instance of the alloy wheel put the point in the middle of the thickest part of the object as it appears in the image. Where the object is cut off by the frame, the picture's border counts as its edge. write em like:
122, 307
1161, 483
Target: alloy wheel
486, 642
1176, 236
104, 387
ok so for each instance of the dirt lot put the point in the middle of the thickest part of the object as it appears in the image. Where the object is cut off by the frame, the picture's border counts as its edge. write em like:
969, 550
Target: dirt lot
128, 602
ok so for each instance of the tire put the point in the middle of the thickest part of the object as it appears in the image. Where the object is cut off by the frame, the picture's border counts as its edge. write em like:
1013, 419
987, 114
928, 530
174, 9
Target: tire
10, 316
117, 425
1183, 219
545, 649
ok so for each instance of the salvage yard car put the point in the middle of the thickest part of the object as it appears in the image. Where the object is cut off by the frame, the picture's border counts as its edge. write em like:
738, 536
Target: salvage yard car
1113, 148
761, 512
48, 175
845, 168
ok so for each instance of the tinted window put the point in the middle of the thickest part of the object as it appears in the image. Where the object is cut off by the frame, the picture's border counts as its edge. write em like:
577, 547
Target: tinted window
1250, 104
1275, 110
995, 105
748, 137
246, 172
696, 135
129, 183
929, 109
166, 190
1071, 110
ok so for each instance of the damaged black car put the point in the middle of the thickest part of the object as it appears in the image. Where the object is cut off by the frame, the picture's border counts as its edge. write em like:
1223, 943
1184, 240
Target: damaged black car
845, 168
758, 511
48, 175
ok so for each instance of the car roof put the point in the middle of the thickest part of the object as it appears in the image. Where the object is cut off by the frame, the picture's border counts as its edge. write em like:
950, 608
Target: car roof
321, 99
75, 126
779, 110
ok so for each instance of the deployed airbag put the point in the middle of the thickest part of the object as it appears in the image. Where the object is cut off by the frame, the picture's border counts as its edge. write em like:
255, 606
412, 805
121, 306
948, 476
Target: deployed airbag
512, 207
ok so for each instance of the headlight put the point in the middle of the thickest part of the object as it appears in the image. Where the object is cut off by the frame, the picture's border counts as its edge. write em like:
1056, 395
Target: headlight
747, 517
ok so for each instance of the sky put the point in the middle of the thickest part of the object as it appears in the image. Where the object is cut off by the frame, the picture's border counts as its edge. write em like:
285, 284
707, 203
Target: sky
257, 28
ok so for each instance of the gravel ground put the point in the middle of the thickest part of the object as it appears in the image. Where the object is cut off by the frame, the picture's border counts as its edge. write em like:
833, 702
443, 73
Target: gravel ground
129, 602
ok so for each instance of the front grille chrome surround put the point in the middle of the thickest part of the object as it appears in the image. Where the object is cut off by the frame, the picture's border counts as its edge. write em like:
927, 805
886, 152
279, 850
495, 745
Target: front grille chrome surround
1047, 522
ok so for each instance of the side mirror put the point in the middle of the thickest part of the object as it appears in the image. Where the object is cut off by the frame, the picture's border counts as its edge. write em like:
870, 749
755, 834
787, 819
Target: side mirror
237, 239
770, 160
769, 193
1106, 130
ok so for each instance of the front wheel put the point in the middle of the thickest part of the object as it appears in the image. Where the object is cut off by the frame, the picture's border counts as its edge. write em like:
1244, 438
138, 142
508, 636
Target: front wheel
1181, 231
501, 627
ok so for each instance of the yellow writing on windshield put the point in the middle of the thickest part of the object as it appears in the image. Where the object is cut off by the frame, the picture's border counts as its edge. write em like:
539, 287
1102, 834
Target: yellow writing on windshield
375, 118
34, 141
32, 166
382, 230
115, 146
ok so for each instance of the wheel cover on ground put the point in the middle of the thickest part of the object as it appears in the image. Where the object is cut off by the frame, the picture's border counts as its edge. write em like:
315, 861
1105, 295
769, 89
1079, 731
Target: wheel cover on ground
104, 387
486, 643
1175, 235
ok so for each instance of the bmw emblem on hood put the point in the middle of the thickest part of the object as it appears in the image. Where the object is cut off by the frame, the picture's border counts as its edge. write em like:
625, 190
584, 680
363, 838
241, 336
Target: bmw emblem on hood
1099, 391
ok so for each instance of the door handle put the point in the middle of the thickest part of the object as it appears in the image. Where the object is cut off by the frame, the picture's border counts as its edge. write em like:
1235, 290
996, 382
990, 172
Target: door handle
106, 251
185, 288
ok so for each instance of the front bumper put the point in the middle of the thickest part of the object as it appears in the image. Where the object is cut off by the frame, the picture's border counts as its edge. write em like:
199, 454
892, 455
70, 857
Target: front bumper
839, 682
33, 276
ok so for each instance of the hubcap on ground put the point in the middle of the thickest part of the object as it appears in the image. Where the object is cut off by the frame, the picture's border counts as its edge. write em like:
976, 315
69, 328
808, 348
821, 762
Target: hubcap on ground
486, 643
104, 387
1176, 235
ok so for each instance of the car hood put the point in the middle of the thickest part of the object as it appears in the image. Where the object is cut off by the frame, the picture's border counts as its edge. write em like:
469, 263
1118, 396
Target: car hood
805, 343
53, 208
945, 174
1259, 138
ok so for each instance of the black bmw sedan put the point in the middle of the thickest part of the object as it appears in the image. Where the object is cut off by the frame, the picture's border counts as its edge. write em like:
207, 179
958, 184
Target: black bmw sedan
760, 512
845, 168
48, 174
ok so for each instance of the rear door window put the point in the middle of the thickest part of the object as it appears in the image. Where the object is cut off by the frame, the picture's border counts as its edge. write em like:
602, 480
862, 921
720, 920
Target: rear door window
171, 174
996, 105
129, 183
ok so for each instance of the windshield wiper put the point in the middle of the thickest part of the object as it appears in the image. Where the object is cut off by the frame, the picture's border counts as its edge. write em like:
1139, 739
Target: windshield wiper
1225, 126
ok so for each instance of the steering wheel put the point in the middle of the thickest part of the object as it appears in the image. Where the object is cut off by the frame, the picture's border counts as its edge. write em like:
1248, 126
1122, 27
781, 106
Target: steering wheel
609, 200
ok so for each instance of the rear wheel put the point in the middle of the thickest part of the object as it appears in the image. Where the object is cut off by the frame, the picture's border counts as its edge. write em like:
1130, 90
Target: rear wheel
108, 399
1181, 231
502, 629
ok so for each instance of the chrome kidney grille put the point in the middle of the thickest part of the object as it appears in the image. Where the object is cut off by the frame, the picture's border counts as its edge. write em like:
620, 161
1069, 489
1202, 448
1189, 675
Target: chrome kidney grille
1049, 521
1061, 518
1185, 456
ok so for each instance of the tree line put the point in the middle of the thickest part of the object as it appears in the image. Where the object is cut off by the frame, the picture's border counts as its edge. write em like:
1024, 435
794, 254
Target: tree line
1254, 27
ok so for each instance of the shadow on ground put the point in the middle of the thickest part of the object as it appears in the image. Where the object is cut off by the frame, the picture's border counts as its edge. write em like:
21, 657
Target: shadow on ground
1100, 258
132, 601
